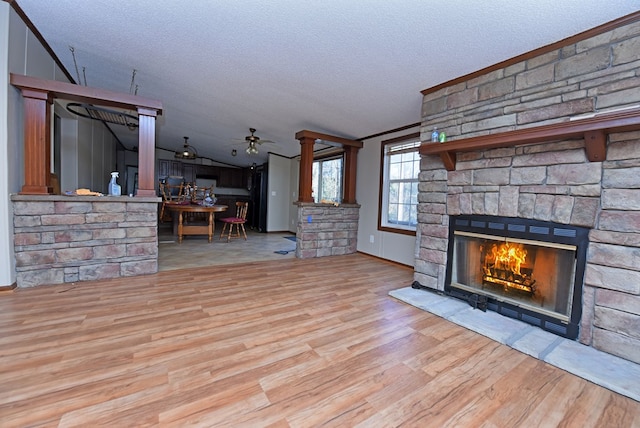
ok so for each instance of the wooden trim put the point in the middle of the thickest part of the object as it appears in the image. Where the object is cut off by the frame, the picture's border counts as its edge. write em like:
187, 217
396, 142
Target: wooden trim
449, 160
326, 137
592, 129
391, 131
349, 175
396, 230
609, 26
383, 144
305, 181
415, 135
7, 288
146, 152
386, 260
328, 153
37, 142
595, 143
69, 91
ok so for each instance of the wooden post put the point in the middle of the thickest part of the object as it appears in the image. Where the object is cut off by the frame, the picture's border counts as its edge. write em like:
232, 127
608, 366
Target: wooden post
306, 169
351, 147
146, 152
37, 142
350, 172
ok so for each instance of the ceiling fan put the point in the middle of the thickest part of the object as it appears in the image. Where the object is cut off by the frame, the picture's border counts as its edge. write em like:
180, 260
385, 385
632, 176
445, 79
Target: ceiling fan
253, 142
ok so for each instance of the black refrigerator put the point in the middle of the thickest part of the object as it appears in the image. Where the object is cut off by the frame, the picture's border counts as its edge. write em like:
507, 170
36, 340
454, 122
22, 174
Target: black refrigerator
259, 198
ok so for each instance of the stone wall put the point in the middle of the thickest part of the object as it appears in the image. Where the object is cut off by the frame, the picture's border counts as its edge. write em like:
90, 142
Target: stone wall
61, 239
326, 230
551, 181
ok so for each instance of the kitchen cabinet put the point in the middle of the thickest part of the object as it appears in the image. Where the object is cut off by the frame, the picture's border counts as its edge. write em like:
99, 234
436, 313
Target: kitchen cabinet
207, 171
189, 172
169, 167
226, 177
231, 178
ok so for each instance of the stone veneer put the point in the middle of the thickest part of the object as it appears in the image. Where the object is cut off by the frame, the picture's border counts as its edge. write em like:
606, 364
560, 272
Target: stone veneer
551, 181
62, 239
326, 230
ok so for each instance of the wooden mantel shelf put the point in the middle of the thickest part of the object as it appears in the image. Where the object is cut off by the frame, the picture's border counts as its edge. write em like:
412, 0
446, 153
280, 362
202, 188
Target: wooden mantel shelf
593, 129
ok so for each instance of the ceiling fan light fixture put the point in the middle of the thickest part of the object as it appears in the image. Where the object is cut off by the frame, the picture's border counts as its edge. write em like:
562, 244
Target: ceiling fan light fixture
252, 149
188, 152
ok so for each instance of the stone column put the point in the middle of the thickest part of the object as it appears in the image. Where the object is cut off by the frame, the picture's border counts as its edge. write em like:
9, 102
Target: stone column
433, 224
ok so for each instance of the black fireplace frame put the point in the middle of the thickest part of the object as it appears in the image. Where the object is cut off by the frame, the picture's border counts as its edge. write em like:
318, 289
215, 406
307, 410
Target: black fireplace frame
528, 229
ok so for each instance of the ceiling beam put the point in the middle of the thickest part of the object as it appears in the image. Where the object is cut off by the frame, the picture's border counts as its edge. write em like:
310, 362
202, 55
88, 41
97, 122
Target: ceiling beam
326, 138
86, 94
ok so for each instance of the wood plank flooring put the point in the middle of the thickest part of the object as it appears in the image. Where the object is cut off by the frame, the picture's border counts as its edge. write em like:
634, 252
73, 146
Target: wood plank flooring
285, 343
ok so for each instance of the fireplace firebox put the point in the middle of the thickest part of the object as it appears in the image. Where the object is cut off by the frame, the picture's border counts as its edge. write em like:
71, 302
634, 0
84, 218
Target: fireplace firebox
525, 269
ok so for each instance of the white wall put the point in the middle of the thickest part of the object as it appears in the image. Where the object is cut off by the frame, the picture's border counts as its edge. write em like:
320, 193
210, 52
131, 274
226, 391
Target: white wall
22, 53
294, 177
391, 246
7, 264
279, 193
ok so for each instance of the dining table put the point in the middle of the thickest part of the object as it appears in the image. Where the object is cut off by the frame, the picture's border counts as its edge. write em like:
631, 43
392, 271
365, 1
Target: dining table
183, 226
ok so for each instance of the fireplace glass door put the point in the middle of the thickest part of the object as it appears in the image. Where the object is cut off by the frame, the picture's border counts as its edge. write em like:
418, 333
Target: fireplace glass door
534, 274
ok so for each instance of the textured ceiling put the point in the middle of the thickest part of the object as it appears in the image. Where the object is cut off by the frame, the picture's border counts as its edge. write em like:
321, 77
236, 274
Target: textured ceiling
347, 68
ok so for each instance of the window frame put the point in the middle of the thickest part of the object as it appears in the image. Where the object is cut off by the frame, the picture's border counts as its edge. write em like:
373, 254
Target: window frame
330, 157
383, 189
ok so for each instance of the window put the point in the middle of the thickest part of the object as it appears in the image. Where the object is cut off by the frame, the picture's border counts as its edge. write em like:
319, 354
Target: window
326, 179
399, 185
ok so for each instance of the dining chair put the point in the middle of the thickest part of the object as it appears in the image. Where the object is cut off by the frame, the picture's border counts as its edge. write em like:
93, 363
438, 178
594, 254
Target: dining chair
172, 192
201, 192
238, 221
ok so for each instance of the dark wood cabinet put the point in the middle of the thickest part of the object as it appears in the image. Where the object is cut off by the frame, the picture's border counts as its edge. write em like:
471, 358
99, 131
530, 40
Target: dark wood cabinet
230, 202
207, 171
226, 177
236, 178
189, 172
247, 178
231, 178
169, 167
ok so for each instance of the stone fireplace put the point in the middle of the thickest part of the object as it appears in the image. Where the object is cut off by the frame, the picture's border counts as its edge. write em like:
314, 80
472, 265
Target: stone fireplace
586, 181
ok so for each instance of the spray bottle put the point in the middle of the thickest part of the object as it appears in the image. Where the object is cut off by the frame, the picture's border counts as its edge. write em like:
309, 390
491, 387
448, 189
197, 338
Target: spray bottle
114, 187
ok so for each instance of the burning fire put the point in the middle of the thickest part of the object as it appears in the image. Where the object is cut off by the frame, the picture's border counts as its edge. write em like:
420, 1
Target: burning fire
509, 256
503, 265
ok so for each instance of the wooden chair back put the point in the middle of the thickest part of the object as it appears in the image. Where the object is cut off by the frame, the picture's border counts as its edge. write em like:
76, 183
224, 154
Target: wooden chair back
172, 191
238, 221
241, 210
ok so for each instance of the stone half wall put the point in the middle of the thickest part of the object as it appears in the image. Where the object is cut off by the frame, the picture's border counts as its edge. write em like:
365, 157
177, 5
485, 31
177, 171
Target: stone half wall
552, 181
327, 230
62, 239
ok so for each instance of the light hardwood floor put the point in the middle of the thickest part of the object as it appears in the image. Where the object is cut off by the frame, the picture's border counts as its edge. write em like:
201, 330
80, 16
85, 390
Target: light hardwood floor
284, 343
